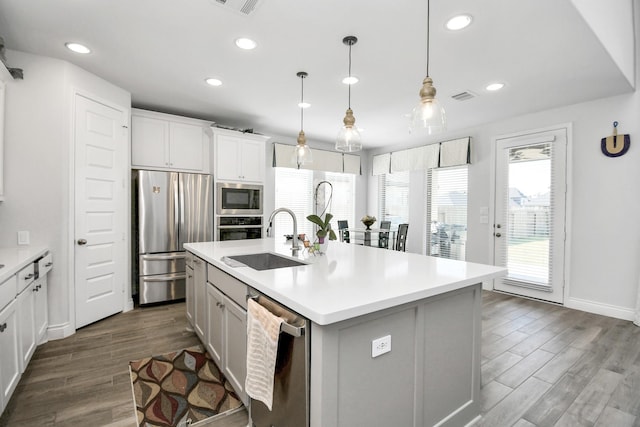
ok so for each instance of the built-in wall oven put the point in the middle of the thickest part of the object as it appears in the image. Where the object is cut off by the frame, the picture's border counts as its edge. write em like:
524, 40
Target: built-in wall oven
239, 199
239, 227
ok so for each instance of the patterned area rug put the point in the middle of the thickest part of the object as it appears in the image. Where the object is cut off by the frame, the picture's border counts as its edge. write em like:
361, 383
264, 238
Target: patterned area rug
179, 389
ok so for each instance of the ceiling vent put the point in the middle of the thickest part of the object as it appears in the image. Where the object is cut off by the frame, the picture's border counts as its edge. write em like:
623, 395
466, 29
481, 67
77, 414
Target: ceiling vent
463, 96
243, 7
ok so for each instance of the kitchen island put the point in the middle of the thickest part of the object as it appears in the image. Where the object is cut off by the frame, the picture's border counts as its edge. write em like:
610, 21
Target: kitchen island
427, 308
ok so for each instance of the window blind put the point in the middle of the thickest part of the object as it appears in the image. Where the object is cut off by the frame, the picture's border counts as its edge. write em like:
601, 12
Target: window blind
298, 189
293, 191
447, 212
393, 194
529, 210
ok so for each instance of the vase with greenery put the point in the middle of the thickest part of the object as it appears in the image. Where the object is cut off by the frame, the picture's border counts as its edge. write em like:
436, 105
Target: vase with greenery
324, 233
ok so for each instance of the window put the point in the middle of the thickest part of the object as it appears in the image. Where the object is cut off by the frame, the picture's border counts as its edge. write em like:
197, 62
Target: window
300, 189
447, 212
393, 193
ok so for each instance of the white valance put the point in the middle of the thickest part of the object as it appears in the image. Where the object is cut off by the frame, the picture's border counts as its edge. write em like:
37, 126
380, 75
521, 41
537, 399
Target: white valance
449, 153
455, 152
381, 164
419, 158
323, 160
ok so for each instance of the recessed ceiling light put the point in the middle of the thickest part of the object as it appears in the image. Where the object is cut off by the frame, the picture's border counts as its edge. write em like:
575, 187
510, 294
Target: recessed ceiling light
350, 80
458, 22
213, 82
77, 48
245, 43
304, 105
494, 86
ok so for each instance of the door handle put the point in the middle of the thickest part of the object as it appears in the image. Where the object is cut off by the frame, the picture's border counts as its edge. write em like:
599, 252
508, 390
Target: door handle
82, 242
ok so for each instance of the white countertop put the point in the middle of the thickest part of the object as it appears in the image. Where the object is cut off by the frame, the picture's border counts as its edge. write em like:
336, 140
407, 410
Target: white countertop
16, 258
350, 280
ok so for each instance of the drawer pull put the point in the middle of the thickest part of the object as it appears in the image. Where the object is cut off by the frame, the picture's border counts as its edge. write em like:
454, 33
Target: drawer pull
28, 276
49, 264
3, 327
35, 289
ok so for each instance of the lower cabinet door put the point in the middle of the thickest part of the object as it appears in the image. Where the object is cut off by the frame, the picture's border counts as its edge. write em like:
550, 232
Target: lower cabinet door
235, 347
215, 327
9, 352
189, 295
200, 297
27, 328
41, 310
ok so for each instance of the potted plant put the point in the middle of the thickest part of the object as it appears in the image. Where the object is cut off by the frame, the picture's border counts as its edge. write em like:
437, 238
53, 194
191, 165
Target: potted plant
324, 233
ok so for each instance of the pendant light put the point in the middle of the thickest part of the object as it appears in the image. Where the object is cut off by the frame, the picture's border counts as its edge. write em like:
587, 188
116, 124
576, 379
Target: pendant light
428, 115
349, 139
302, 153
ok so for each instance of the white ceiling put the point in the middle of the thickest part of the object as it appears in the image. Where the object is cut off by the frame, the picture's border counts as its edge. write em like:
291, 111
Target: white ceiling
162, 50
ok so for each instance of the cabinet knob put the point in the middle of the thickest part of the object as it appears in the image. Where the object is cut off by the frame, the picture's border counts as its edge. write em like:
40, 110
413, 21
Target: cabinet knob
82, 242
3, 327
49, 264
498, 235
28, 276
35, 289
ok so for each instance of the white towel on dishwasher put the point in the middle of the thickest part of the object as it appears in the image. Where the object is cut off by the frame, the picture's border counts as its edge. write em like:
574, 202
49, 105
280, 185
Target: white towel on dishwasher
263, 330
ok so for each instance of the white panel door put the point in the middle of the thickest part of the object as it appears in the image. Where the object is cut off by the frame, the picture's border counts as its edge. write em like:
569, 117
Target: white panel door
529, 233
100, 210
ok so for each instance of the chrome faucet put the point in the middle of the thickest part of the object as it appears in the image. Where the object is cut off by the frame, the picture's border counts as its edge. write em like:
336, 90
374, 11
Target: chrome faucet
294, 241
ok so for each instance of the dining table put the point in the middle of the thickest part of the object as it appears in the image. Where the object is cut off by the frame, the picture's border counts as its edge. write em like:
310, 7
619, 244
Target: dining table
367, 234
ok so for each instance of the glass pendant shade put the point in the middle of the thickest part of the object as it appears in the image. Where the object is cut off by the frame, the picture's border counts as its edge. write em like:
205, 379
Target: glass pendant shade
349, 139
428, 116
302, 153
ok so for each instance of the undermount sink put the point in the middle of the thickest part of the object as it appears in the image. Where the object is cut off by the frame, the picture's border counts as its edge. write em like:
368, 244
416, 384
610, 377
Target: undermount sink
266, 261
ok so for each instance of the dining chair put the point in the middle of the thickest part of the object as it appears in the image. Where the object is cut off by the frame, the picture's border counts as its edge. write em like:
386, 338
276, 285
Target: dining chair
342, 229
383, 237
401, 241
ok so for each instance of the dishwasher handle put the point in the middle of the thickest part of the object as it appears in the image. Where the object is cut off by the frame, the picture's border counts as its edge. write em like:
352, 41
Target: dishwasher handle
287, 328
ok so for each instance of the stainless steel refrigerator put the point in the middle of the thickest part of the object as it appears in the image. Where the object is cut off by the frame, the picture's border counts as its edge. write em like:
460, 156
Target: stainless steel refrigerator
170, 209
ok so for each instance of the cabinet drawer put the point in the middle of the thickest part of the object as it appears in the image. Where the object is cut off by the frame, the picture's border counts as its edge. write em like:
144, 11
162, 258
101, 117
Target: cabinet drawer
44, 265
26, 276
8, 291
230, 286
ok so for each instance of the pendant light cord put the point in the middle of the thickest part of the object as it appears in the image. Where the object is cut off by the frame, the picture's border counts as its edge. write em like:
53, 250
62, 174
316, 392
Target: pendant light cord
428, 31
302, 103
350, 44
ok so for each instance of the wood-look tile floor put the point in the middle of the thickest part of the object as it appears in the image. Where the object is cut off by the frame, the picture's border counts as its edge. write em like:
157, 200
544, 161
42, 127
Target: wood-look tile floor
542, 365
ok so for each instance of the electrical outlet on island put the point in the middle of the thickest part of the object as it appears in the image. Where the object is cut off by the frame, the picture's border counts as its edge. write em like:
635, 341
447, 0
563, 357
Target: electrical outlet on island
381, 346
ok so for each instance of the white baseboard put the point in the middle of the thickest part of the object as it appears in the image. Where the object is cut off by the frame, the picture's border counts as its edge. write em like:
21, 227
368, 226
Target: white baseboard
623, 313
57, 332
128, 305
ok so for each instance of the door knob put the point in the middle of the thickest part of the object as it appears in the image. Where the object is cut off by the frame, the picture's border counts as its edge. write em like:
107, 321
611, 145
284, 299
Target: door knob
498, 235
82, 242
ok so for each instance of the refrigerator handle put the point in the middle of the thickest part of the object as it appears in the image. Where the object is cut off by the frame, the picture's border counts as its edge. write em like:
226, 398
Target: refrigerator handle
154, 257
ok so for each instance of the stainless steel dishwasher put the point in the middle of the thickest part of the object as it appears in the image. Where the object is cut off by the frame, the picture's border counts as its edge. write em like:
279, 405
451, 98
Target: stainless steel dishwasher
291, 380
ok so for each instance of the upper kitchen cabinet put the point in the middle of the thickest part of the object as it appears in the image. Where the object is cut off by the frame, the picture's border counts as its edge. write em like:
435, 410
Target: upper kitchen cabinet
4, 78
164, 141
239, 156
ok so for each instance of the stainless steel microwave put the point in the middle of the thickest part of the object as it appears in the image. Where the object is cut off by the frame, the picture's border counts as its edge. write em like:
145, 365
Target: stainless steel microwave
239, 199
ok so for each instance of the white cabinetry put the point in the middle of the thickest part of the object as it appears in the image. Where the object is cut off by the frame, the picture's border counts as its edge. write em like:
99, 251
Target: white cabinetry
200, 297
215, 309
163, 141
4, 78
227, 335
190, 290
26, 314
10, 353
239, 156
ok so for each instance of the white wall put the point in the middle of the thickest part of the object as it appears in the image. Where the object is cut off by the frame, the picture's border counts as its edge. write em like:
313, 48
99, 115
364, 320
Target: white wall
38, 149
